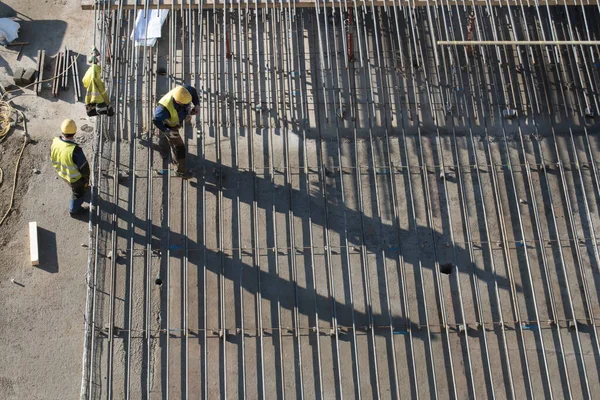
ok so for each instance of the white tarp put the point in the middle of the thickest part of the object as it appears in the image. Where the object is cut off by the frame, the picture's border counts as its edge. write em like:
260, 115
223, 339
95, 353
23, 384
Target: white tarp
155, 21
9, 30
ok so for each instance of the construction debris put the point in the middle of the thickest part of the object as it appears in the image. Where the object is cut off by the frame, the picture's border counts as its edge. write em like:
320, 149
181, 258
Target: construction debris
24, 77
29, 76
17, 44
18, 76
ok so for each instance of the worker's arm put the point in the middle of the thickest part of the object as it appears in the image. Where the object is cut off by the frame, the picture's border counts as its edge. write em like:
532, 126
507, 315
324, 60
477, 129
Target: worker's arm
81, 162
161, 114
194, 94
102, 89
195, 101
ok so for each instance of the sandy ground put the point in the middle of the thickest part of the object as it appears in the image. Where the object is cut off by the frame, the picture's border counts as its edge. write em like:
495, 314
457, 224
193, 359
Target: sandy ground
41, 313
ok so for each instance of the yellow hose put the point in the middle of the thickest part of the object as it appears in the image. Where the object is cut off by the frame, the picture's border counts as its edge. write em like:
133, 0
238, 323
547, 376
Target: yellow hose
14, 188
5, 121
6, 111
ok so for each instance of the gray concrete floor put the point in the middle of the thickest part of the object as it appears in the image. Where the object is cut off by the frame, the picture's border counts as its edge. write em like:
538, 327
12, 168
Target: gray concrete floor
304, 258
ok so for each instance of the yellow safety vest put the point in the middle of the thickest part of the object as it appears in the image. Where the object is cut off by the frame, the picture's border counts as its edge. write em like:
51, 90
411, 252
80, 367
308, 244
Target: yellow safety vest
92, 80
61, 154
167, 102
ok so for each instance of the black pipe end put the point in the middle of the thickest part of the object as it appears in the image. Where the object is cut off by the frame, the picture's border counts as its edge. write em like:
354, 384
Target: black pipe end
446, 268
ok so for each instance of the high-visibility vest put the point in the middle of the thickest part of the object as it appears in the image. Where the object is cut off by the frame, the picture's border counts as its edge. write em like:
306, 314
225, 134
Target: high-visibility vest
92, 80
61, 154
167, 102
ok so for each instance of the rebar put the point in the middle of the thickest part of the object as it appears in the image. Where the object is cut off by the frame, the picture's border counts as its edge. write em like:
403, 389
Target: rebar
518, 42
443, 150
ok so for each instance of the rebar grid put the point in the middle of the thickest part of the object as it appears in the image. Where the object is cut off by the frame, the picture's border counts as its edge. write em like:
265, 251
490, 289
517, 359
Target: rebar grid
371, 215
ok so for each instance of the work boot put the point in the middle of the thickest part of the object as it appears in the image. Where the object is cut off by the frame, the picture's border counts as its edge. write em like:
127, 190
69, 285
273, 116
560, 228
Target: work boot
181, 164
184, 174
81, 214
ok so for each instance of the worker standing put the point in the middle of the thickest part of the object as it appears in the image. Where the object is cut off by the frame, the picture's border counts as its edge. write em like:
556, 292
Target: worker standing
96, 98
70, 163
173, 109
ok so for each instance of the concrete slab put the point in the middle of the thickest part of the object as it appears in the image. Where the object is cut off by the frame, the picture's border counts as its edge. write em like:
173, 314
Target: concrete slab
303, 258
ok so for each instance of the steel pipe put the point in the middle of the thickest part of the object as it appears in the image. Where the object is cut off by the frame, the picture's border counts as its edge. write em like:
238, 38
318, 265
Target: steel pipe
518, 42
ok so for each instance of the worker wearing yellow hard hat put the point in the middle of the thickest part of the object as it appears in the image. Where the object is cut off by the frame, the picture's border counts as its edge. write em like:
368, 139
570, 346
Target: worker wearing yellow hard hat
97, 101
172, 110
71, 165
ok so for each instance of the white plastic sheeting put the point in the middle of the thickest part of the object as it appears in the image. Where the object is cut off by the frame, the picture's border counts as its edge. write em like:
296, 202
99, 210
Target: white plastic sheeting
147, 30
9, 30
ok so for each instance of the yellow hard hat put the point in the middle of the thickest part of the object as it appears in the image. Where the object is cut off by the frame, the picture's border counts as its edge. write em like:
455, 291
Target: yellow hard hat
181, 95
68, 127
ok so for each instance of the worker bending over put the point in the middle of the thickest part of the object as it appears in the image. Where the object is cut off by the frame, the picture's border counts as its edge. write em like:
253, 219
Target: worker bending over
70, 163
173, 109
96, 98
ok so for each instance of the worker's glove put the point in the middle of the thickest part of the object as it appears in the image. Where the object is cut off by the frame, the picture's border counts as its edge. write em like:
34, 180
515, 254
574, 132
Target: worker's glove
195, 110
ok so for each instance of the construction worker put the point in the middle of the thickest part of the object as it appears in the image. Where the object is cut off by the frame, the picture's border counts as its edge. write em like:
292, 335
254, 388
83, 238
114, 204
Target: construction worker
70, 163
173, 109
96, 98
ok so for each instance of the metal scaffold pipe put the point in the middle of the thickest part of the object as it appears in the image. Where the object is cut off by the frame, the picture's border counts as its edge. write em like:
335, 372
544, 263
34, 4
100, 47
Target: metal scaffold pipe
220, 4
518, 42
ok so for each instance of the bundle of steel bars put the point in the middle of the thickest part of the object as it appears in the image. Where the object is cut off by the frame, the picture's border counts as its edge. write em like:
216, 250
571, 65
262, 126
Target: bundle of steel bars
387, 202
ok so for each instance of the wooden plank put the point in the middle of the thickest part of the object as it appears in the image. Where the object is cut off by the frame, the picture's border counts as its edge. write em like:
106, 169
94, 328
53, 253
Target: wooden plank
41, 72
75, 75
55, 79
33, 244
39, 75
11, 44
65, 77
63, 70
166, 4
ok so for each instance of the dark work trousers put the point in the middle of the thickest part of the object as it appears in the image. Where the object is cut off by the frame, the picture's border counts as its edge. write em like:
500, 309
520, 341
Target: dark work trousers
99, 109
78, 190
172, 140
